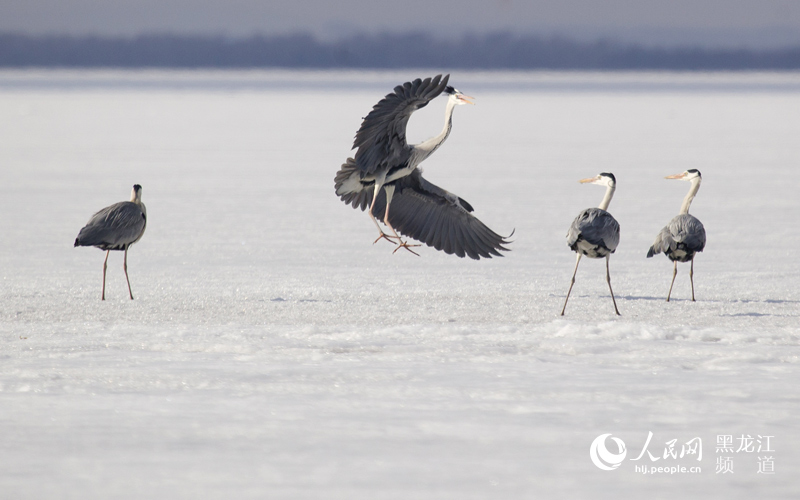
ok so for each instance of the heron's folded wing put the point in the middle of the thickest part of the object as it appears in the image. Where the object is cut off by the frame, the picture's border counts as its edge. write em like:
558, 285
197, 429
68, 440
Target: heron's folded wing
662, 243
381, 140
428, 213
687, 229
118, 224
598, 227
574, 231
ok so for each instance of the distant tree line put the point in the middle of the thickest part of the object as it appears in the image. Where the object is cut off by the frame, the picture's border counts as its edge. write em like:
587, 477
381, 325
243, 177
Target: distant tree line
417, 50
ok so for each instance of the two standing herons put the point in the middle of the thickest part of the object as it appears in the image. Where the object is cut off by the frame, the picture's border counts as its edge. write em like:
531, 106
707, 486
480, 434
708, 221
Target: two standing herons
384, 177
116, 227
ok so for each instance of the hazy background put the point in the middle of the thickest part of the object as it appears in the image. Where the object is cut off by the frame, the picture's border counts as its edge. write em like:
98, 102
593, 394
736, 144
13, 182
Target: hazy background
707, 23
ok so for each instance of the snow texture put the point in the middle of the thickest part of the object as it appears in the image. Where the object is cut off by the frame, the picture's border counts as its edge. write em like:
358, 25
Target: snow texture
273, 351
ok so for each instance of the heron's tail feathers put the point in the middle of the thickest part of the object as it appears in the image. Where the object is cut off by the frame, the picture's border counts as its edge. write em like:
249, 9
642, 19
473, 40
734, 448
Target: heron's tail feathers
77, 242
350, 188
651, 252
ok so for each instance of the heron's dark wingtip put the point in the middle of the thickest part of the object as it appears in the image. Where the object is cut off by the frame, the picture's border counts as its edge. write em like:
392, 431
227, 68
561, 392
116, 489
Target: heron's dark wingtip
651, 252
77, 242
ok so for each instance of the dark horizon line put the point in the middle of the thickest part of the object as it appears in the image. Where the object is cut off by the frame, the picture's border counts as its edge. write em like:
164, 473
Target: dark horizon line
500, 50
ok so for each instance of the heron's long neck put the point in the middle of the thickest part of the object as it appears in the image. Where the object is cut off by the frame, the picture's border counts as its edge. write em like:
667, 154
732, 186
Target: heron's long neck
607, 198
428, 147
690, 195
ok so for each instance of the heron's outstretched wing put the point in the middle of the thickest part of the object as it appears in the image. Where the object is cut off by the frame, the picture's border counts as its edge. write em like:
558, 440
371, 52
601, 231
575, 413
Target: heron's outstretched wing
114, 227
684, 232
597, 227
381, 140
440, 219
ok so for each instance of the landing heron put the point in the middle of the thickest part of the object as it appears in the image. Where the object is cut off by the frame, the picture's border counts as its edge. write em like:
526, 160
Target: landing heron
384, 176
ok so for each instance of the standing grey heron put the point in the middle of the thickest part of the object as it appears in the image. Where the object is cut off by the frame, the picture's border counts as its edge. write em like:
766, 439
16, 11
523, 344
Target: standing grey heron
116, 228
384, 174
595, 232
684, 236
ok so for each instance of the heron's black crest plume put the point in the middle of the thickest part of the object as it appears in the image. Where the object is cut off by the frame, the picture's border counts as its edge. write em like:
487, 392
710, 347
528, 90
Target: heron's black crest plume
611, 176
449, 90
694, 171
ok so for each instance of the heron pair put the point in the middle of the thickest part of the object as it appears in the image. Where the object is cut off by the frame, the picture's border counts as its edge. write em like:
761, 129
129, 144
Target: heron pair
595, 233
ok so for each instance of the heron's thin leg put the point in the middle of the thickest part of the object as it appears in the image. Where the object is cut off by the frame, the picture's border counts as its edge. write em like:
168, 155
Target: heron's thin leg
674, 272
403, 244
691, 279
577, 261
608, 279
374, 219
105, 265
125, 267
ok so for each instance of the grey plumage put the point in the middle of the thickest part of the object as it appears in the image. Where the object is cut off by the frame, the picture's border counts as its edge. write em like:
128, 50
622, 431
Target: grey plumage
594, 233
383, 177
116, 227
683, 237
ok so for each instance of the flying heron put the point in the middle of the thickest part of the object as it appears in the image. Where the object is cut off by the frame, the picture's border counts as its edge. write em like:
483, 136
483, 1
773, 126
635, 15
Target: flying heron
384, 177
684, 236
595, 232
116, 227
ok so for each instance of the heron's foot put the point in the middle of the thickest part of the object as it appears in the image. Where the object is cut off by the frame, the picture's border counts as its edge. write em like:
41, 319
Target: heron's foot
386, 237
404, 244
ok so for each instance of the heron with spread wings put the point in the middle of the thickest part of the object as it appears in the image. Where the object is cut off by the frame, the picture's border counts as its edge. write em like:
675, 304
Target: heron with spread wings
385, 178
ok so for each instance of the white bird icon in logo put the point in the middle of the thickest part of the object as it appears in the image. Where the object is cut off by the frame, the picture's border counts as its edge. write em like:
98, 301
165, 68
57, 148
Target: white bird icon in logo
603, 458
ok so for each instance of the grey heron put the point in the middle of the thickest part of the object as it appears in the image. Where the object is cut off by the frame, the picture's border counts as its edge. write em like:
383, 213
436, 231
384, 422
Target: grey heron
595, 232
384, 176
116, 227
684, 236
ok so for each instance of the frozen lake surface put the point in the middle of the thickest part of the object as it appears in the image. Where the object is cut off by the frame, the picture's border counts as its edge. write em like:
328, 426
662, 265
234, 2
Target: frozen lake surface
273, 351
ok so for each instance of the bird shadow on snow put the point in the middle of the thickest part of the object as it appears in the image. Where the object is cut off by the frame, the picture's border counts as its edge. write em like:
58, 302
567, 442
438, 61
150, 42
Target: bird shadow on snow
711, 301
634, 297
758, 315
281, 299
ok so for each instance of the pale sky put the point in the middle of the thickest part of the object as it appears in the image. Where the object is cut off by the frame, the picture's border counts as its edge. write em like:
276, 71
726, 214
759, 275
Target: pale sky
711, 22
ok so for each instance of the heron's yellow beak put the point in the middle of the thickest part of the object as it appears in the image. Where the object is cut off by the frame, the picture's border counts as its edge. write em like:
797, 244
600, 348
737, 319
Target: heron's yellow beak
466, 99
590, 179
676, 176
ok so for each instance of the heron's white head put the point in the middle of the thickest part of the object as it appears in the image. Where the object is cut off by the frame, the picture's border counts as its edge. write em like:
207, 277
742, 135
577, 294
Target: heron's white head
688, 175
603, 179
458, 97
136, 194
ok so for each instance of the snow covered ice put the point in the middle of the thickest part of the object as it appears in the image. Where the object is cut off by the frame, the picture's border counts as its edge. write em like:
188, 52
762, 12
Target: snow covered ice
273, 351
